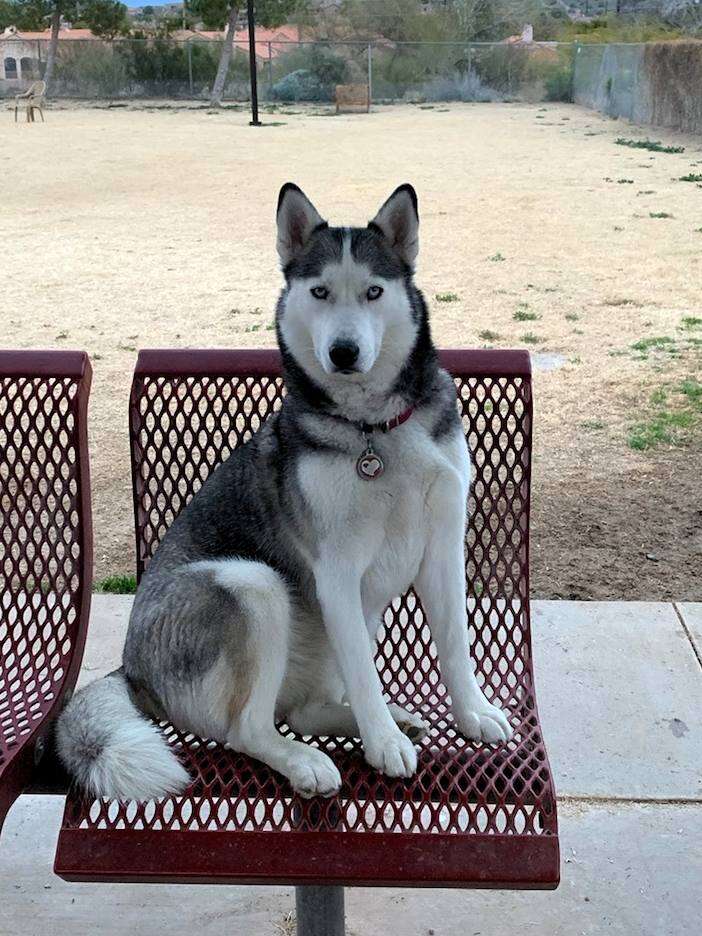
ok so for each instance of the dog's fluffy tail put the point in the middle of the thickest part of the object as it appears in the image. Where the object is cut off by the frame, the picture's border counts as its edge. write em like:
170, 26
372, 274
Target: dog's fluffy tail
111, 749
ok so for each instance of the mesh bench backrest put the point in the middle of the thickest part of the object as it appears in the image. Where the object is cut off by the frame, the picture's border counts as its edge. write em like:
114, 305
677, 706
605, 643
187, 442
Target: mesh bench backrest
45, 537
190, 409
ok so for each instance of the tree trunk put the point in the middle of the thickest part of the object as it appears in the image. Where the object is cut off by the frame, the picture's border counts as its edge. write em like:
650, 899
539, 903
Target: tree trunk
53, 47
225, 57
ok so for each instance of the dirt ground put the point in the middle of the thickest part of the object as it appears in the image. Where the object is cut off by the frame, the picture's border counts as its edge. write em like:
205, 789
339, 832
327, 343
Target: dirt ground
127, 228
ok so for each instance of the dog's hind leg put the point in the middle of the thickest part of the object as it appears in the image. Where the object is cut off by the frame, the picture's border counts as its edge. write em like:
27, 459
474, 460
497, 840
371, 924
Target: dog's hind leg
336, 720
263, 598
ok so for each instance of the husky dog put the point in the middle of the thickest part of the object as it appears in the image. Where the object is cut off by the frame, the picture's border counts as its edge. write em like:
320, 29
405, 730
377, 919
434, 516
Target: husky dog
265, 596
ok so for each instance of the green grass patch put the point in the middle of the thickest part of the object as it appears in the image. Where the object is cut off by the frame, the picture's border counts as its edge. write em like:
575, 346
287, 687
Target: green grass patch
691, 177
592, 424
691, 321
675, 414
524, 315
447, 297
531, 338
488, 335
625, 181
497, 257
656, 343
116, 585
655, 146
659, 214
692, 389
572, 317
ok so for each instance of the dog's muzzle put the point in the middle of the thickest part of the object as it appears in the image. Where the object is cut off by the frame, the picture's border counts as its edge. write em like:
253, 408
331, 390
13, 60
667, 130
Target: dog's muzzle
344, 356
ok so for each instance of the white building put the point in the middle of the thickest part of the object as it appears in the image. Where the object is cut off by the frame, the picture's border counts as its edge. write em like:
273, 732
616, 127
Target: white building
23, 54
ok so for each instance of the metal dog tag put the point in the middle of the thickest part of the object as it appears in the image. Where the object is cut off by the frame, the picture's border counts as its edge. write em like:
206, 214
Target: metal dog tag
369, 465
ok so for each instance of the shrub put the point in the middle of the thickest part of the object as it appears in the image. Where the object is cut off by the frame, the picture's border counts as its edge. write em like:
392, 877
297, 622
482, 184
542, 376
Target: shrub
327, 67
301, 85
90, 69
554, 73
316, 70
459, 87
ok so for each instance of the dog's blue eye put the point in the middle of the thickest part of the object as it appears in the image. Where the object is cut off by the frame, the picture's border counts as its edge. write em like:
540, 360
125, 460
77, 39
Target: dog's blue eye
320, 292
374, 292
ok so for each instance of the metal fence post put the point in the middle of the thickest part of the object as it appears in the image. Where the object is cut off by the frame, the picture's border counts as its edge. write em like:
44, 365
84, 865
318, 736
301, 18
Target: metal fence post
320, 911
190, 66
370, 75
270, 70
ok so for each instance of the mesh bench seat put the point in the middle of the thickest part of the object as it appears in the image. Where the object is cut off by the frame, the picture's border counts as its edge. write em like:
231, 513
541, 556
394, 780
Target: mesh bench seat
45, 550
473, 815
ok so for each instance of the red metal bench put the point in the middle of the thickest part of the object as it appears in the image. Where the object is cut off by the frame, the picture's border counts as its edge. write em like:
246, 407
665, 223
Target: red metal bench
474, 815
45, 550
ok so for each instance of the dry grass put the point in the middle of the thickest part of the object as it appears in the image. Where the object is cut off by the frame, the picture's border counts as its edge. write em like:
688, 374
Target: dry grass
127, 228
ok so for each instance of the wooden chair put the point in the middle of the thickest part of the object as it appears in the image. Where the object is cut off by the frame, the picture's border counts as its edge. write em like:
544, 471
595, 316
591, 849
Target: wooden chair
33, 101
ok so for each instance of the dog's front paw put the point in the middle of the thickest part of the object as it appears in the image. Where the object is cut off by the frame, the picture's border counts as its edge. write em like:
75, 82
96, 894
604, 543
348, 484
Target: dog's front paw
312, 773
484, 722
392, 753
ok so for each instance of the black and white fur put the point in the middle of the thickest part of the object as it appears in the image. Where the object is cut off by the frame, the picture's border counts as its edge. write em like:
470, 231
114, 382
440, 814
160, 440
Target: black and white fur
265, 596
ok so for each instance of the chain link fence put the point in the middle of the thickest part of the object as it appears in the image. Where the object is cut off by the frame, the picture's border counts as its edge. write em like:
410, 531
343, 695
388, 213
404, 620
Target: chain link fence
293, 71
657, 83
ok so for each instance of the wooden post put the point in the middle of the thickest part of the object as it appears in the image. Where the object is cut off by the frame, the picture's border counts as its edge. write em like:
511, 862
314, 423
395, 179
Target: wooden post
270, 69
254, 122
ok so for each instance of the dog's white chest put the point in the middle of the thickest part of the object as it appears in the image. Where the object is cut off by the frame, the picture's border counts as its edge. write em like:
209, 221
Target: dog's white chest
380, 524
395, 550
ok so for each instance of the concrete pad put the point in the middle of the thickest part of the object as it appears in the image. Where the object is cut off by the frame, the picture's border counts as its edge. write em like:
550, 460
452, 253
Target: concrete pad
620, 692
628, 870
109, 617
34, 902
691, 613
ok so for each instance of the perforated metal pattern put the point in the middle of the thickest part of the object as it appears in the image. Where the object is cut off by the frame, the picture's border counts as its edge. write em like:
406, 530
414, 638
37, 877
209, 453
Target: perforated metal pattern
187, 415
44, 544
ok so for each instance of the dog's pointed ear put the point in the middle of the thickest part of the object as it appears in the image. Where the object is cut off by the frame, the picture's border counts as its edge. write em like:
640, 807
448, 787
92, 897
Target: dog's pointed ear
296, 218
398, 220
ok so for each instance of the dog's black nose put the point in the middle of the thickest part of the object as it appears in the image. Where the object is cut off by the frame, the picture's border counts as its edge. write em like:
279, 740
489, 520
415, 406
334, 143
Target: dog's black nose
343, 354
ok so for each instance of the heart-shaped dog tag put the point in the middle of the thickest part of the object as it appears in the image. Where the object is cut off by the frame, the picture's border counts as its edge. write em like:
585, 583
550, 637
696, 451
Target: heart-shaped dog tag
369, 465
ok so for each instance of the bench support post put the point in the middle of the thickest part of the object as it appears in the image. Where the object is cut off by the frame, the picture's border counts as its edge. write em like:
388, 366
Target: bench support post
320, 911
